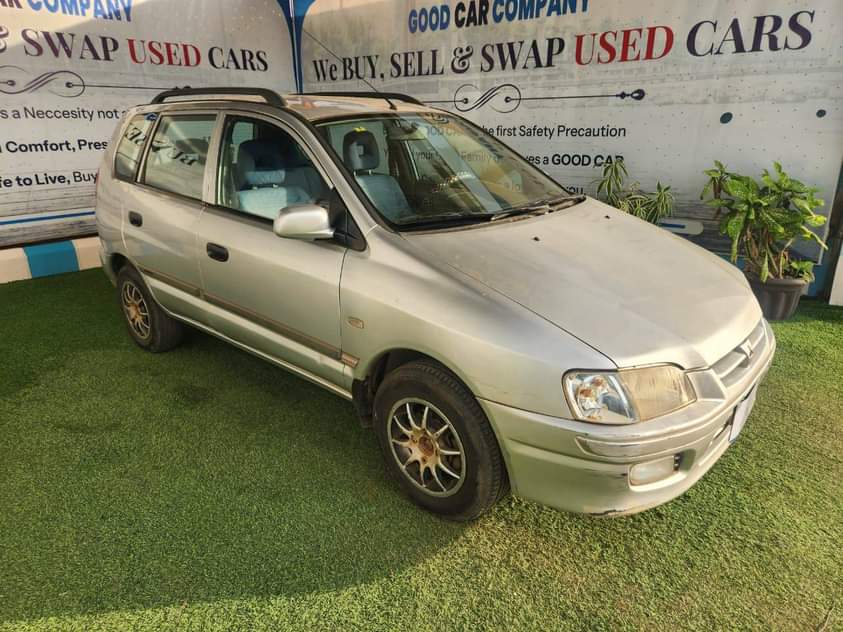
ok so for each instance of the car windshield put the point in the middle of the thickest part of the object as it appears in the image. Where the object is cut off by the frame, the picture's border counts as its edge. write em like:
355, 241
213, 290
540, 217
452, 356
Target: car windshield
425, 169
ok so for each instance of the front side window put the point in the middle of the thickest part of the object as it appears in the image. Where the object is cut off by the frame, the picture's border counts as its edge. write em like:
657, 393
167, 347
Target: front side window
131, 144
424, 169
264, 169
176, 158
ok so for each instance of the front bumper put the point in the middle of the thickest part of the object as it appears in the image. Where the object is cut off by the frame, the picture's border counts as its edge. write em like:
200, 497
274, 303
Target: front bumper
584, 467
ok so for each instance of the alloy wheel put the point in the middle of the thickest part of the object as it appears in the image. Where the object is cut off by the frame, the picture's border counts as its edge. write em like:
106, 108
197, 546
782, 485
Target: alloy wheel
136, 309
426, 447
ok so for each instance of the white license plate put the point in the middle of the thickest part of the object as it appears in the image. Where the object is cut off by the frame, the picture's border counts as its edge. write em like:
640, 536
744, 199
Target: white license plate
742, 411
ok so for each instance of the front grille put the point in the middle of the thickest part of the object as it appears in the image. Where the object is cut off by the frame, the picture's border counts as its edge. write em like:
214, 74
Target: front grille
740, 360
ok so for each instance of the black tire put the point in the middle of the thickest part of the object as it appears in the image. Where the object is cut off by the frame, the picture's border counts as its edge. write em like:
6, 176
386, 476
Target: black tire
483, 478
160, 332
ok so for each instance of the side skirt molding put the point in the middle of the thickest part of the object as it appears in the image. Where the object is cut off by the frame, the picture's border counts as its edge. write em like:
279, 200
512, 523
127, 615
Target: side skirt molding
292, 368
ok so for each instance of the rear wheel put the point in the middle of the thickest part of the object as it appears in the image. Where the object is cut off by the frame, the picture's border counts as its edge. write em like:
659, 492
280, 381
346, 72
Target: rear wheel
437, 442
150, 327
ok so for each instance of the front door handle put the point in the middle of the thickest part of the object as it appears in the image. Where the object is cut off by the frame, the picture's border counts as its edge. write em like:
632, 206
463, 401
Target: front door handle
135, 219
217, 252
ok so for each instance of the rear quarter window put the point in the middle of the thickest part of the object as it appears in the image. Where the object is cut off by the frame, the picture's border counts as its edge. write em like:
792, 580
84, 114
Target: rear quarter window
131, 144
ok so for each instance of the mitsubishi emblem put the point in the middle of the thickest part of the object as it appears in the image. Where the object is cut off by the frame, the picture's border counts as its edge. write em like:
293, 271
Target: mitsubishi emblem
747, 350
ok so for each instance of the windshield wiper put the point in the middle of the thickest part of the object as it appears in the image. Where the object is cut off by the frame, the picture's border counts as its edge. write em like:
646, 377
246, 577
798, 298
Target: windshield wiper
547, 205
540, 207
562, 201
449, 219
529, 209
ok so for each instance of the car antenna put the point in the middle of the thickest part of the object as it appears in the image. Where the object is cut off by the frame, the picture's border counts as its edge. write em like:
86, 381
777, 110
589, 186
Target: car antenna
356, 74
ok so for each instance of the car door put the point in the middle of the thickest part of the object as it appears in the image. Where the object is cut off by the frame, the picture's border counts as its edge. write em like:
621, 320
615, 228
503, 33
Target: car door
277, 296
162, 209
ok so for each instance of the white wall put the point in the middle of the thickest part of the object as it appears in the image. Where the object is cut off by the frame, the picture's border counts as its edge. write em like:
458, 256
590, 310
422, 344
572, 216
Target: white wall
754, 99
69, 68
781, 98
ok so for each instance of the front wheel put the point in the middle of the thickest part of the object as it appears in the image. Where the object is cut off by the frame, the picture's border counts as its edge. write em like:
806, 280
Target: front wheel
437, 441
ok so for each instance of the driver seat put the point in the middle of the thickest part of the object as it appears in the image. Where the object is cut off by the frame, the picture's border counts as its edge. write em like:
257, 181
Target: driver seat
262, 180
361, 155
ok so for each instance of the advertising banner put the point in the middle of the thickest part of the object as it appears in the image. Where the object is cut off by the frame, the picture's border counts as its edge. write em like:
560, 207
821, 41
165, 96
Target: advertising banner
69, 68
669, 87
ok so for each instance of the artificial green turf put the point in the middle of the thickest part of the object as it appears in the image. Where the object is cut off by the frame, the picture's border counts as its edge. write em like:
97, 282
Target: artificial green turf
203, 488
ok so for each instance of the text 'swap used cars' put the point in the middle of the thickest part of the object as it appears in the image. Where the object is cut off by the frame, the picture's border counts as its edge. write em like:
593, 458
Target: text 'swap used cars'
495, 330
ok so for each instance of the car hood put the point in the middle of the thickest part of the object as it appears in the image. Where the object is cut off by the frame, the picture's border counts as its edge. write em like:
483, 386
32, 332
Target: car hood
633, 291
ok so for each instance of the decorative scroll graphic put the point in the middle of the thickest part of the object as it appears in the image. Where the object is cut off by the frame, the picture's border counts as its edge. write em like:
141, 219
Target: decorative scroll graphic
62, 83
503, 99
507, 97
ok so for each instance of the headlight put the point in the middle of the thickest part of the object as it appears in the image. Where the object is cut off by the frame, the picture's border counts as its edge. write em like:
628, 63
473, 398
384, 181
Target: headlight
627, 395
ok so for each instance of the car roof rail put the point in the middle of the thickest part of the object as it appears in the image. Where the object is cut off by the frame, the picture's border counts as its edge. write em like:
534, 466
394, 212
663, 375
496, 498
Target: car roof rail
270, 96
367, 95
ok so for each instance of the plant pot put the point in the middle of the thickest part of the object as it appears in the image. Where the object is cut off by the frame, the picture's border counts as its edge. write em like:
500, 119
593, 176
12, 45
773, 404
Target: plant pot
778, 298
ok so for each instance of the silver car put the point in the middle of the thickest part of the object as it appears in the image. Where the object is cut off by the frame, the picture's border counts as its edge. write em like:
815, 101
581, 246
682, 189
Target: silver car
494, 330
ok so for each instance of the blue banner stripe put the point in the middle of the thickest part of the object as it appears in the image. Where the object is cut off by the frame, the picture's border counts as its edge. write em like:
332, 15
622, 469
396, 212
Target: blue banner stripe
45, 218
54, 258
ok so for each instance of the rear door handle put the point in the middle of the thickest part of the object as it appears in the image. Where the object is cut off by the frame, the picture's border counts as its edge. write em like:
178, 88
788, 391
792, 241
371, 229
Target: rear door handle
135, 219
217, 252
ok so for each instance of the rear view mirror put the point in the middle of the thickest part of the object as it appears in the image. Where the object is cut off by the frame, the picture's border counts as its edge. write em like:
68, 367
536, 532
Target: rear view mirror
303, 221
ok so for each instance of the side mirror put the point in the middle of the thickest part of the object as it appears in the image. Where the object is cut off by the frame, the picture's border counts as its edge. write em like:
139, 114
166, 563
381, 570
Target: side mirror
303, 221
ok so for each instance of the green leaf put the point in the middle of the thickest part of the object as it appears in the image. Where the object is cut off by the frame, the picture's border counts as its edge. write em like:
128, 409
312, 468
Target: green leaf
734, 252
734, 226
802, 204
801, 270
765, 270
798, 187
741, 186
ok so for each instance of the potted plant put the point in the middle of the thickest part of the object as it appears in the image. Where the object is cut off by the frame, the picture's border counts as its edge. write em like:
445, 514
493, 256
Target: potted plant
651, 207
763, 220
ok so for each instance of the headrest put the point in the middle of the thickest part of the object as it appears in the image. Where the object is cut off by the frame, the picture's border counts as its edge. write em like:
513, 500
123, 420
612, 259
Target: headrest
263, 177
291, 152
360, 150
257, 155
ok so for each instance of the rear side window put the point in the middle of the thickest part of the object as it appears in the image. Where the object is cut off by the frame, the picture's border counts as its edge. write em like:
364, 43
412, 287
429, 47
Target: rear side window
131, 145
177, 155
